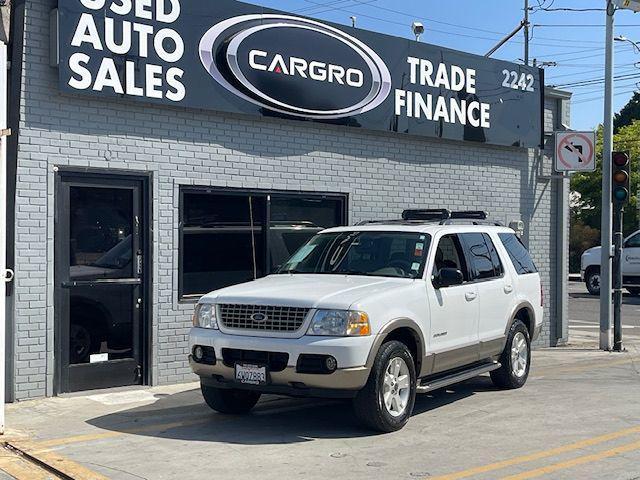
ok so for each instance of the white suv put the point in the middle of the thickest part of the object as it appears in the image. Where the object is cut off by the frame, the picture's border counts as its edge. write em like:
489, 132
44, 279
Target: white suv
376, 312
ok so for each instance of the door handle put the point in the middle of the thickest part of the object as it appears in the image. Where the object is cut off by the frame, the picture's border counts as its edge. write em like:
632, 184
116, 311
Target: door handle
470, 296
508, 289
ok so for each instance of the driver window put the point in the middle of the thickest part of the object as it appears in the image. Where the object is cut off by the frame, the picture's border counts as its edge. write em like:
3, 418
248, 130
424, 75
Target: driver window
449, 255
633, 242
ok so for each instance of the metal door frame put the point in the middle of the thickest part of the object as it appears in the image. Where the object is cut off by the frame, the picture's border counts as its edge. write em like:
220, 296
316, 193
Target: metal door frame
100, 178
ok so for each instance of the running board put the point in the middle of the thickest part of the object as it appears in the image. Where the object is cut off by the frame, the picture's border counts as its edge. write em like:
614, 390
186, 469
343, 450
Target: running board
458, 377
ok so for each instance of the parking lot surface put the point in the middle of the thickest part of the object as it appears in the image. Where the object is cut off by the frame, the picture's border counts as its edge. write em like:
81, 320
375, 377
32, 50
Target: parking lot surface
577, 417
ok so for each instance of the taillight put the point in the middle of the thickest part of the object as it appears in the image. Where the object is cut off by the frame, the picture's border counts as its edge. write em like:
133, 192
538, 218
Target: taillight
541, 296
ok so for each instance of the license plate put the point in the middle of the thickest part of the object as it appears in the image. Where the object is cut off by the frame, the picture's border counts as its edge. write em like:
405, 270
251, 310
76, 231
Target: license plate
251, 374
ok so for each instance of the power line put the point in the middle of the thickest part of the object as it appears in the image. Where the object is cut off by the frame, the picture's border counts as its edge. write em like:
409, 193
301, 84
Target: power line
443, 32
584, 25
554, 77
566, 9
582, 83
601, 97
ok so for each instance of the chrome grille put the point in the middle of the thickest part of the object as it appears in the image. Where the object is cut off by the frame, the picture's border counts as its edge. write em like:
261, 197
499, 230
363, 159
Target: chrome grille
262, 317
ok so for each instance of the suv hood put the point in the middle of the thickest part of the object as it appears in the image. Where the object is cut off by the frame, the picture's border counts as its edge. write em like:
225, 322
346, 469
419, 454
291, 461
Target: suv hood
308, 291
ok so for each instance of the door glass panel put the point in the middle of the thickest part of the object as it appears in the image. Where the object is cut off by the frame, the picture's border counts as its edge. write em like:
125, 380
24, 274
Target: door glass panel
101, 326
100, 236
480, 257
449, 255
295, 220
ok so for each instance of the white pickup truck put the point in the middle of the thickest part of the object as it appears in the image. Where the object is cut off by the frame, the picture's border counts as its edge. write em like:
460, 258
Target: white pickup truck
590, 266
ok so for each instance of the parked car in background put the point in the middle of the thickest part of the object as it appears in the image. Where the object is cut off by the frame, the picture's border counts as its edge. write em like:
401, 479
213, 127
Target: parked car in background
590, 266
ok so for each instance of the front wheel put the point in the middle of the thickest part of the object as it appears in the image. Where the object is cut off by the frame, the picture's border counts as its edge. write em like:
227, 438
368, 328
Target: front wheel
515, 359
229, 401
592, 281
386, 401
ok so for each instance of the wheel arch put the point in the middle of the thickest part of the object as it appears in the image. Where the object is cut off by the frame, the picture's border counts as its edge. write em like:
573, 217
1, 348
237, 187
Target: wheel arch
406, 331
526, 314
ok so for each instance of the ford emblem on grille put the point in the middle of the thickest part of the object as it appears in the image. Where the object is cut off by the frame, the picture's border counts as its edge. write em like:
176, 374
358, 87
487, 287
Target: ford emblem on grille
259, 318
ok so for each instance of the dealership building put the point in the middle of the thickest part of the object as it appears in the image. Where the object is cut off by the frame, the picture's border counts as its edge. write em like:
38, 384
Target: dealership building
163, 149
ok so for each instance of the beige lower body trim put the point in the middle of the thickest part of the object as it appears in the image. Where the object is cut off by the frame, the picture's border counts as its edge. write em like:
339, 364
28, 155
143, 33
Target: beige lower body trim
342, 379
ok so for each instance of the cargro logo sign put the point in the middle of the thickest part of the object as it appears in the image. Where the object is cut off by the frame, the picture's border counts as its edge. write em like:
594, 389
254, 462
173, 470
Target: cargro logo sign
295, 66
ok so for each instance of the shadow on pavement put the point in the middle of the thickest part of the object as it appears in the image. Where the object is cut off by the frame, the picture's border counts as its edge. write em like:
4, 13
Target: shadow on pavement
275, 420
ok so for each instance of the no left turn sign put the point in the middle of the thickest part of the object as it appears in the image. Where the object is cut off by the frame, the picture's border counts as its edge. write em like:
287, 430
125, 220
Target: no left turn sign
575, 152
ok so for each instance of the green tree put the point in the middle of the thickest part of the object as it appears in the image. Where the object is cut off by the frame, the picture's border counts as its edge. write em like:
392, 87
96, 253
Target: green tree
587, 209
629, 113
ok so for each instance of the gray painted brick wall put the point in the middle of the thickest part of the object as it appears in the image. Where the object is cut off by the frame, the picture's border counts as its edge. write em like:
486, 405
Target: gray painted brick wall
382, 173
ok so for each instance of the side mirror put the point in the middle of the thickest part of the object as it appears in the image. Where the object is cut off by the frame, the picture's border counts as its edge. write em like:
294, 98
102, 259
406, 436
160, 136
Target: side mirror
448, 277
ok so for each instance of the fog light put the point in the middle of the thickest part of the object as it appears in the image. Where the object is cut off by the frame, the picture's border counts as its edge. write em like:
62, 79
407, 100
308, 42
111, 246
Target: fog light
331, 364
198, 353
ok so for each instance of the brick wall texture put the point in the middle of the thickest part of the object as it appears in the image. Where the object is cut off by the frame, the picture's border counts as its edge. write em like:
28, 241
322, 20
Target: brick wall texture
382, 173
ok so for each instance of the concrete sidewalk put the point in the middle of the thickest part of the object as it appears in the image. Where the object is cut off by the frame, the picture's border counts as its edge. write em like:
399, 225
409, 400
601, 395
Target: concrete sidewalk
578, 417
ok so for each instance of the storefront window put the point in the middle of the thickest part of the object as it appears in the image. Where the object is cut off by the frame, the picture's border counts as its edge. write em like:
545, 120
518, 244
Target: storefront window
225, 239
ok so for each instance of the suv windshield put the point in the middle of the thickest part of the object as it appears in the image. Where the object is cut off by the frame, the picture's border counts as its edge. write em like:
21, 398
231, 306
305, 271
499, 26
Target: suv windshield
380, 254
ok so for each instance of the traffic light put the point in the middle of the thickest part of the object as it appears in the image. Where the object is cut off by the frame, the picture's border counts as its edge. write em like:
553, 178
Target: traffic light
620, 178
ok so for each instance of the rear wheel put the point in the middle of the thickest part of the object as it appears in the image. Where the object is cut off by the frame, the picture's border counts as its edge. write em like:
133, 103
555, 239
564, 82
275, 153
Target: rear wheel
515, 359
230, 401
592, 280
386, 401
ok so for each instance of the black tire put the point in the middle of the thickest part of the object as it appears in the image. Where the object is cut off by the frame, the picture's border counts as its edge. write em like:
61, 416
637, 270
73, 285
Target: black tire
635, 291
592, 280
81, 343
230, 401
506, 376
369, 404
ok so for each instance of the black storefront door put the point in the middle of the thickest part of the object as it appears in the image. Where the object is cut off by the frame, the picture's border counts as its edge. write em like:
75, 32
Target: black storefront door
100, 309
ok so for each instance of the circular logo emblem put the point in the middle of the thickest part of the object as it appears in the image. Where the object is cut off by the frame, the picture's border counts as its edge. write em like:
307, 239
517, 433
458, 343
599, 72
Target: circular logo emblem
259, 318
295, 66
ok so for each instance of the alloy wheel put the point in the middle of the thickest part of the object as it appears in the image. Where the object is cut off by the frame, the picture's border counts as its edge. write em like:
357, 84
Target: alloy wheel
396, 386
519, 355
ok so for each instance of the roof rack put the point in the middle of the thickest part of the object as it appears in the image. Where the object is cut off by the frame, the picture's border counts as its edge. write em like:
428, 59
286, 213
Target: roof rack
442, 216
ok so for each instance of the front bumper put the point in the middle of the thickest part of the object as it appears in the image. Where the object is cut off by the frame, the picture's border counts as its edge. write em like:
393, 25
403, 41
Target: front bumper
350, 353
343, 383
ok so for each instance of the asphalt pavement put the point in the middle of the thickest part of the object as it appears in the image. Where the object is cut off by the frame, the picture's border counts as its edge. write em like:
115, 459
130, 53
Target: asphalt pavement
578, 417
584, 311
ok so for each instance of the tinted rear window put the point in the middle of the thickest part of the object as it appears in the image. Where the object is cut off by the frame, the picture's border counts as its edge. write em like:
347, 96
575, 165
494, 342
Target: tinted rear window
518, 253
483, 256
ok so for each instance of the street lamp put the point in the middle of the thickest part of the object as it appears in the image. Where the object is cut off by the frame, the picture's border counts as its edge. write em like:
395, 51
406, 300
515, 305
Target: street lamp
622, 38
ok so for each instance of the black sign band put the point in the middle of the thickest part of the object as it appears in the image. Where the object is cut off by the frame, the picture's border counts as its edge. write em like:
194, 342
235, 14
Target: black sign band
235, 57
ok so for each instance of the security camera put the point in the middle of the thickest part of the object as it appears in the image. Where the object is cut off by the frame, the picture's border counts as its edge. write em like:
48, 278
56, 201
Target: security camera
418, 29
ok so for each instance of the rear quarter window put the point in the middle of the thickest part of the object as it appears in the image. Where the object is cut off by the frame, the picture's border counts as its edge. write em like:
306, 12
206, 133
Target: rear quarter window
520, 257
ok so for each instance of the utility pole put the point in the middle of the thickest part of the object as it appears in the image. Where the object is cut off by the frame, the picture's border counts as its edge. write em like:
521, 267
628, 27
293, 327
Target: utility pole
607, 226
526, 32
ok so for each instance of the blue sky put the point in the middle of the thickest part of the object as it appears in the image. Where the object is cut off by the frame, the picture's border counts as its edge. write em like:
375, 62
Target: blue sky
575, 40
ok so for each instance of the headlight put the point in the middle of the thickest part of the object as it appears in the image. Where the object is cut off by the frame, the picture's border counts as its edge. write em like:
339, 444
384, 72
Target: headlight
205, 316
339, 323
